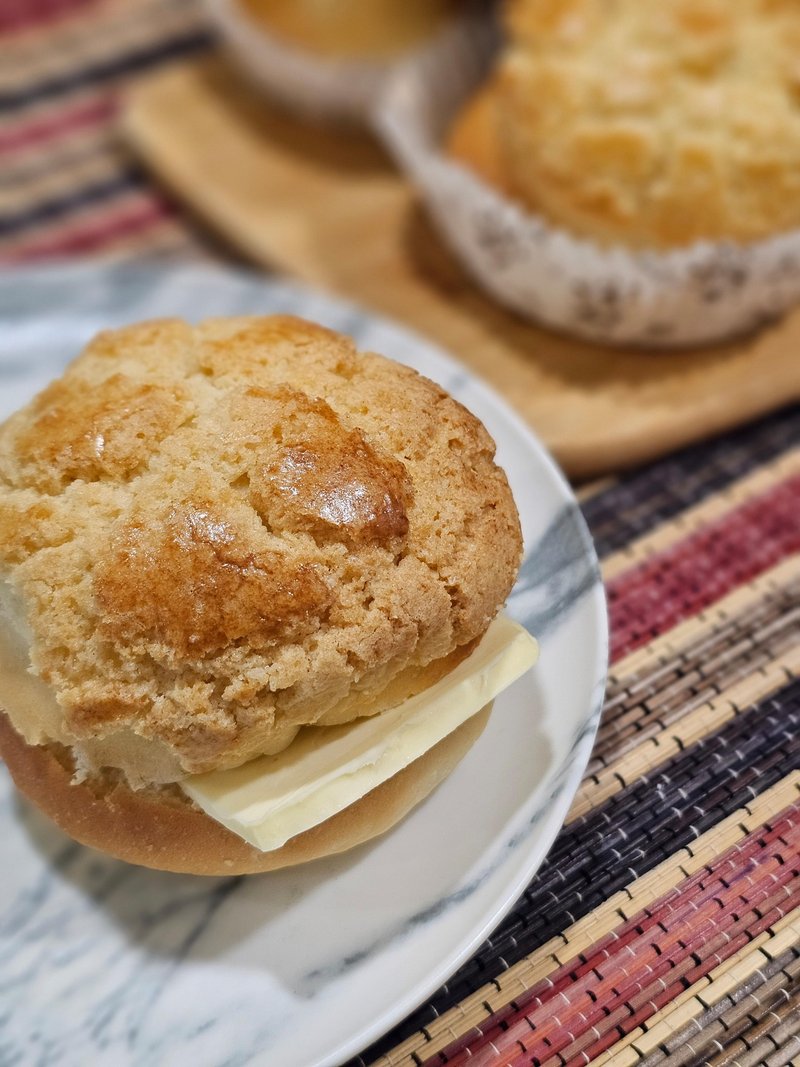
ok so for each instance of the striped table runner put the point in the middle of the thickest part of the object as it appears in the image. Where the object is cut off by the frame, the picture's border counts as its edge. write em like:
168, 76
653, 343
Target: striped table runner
67, 186
664, 928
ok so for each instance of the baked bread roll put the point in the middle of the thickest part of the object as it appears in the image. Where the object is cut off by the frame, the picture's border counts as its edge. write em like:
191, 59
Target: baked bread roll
213, 537
645, 125
352, 28
162, 828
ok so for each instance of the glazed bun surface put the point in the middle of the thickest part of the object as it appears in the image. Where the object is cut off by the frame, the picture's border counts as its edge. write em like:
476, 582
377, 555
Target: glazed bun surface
211, 536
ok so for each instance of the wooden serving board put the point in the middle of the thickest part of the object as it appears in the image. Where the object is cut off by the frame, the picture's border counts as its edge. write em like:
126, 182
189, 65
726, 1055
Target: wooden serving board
329, 208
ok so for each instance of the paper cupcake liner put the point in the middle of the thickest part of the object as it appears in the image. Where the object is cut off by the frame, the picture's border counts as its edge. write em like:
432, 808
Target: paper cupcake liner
691, 296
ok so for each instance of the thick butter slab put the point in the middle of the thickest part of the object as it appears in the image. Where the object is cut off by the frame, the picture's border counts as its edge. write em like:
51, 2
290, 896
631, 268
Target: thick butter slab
272, 799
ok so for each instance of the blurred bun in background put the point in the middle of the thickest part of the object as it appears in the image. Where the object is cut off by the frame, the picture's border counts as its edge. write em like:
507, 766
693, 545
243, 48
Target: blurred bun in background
648, 125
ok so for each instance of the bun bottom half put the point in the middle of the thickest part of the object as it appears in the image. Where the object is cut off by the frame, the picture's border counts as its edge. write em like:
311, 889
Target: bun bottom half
164, 830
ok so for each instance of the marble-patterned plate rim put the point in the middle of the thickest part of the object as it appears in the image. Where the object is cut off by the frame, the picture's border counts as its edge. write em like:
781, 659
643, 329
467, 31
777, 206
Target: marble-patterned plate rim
559, 595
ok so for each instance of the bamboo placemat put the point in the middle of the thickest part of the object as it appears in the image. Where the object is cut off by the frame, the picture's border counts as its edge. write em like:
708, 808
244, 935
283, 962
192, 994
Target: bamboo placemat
664, 928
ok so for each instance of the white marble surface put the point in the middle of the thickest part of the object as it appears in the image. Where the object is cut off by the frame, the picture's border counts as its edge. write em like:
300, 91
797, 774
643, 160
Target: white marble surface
105, 963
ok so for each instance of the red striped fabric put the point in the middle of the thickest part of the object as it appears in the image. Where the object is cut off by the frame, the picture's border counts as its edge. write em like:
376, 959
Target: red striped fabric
22, 14
94, 234
644, 963
673, 585
58, 123
74, 78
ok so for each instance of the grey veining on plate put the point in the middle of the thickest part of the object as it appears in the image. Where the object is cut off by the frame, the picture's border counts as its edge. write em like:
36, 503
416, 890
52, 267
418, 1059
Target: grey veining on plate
105, 963
556, 572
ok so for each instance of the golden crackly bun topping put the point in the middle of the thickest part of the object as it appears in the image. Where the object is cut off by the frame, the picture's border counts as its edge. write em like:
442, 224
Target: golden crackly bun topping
220, 533
648, 124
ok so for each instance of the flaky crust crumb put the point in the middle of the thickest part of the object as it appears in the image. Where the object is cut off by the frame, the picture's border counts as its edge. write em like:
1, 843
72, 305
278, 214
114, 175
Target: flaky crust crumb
221, 533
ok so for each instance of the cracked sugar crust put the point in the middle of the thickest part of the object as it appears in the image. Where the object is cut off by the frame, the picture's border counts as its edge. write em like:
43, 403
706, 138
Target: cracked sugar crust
649, 125
221, 533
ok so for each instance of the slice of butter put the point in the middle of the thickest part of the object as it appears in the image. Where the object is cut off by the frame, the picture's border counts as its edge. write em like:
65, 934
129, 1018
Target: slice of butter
28, 701
325, 769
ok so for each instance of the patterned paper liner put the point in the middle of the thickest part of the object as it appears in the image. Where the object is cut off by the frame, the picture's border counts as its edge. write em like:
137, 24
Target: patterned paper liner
341, 91
697, 295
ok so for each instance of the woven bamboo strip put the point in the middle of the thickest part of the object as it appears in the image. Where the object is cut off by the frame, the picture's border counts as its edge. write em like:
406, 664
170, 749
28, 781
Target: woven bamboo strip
735, 643
655, 984
710, 716
573, 962
489, 998
769, 975
653, 496
759, 605
590, 489
708, 511
734, 648
101, 165
50, 52
727, 644
619, 998
744, 1026
167, 241
695, 1001
751, 1049
625, 911
55, 152
79, 19
45, 234
640, 664
688, 1005
49, 111
788, 1055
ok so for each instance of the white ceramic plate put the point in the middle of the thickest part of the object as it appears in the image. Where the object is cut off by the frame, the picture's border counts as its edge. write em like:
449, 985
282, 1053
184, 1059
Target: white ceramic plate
102, 962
